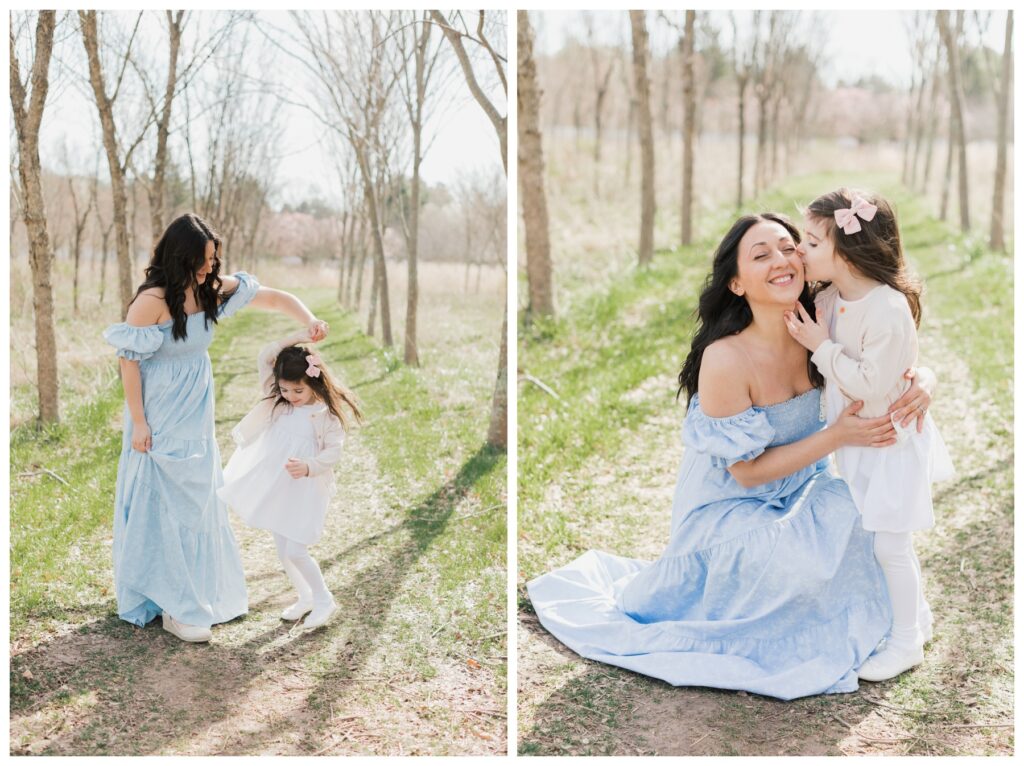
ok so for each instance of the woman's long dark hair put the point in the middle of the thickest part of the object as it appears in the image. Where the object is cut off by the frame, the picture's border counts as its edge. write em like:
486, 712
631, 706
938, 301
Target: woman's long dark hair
179, 254
720, 312
291, 366
876, 250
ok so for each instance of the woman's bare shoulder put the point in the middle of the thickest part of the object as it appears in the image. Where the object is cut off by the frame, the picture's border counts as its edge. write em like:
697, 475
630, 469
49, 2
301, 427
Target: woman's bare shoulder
149, 307
724, 381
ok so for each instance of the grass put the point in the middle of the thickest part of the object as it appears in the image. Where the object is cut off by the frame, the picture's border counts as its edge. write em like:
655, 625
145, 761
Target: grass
596, 469
413, 551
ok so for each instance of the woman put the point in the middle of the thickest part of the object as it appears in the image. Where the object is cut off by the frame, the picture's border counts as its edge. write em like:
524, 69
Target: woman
174, 552
769, 583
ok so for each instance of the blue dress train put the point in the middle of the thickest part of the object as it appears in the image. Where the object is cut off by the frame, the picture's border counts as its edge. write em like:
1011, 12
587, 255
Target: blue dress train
173, 546
771, 589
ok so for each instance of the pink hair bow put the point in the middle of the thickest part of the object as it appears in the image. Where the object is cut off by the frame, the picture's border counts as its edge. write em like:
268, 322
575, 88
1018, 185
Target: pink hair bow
846, 217
313, 370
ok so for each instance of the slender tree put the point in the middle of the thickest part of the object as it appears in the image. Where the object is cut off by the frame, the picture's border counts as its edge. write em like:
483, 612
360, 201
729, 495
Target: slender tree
531, 176
996, 239
27, 102
689, 127
956, 97
642, 88
497, 431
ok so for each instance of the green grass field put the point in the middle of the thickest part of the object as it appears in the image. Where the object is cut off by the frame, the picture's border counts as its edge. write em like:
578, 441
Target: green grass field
414, 551
597, 464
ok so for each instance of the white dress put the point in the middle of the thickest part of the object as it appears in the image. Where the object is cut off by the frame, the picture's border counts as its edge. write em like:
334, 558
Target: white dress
873, 342
263, 494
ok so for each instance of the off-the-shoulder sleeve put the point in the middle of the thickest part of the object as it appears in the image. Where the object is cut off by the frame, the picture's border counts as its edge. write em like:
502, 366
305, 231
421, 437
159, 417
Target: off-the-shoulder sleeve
728, 440
134, 343
243, 294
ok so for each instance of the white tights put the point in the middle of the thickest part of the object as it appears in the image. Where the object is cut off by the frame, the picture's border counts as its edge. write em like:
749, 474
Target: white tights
896, 556
303, 572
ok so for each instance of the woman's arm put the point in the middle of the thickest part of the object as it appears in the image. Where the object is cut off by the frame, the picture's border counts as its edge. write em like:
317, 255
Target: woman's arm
725, 391
917, 399
849, 430
145, 310
269, 299
131, 380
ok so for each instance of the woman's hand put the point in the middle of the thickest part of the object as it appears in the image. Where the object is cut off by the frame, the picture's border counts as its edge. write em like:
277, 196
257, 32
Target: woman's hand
805, 331
296, 468
914, 403
853, 431
318, 330
142, 438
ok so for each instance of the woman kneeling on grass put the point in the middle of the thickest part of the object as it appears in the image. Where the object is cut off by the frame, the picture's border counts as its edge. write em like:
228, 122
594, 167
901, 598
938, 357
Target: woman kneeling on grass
769, 583
174, 552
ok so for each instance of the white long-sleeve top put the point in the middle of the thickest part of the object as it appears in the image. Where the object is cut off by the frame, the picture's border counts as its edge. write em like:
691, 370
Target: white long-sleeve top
873, 341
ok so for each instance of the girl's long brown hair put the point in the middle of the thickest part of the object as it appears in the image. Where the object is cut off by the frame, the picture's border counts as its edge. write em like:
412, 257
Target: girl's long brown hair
291, 366
876, 250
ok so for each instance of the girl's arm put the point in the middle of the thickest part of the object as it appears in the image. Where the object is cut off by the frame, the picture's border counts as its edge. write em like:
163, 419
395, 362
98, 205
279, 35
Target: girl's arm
870, 377
268, 354
325, 459
724, 392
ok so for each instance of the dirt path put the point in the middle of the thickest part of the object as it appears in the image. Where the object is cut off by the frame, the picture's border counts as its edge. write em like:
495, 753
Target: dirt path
392, 675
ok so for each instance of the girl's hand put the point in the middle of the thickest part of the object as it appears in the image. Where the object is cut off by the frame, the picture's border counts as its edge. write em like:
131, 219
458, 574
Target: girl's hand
318, 330
913, 404
805, 331
296, 468
142, 438
853, 431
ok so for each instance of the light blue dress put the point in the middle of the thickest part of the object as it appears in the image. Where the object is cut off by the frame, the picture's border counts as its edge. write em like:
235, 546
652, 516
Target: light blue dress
772, 589
173, 547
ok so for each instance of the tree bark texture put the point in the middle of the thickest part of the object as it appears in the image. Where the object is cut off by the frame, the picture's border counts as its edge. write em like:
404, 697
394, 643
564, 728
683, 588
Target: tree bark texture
28, 114
531, 177
90, 38
643, 98
689, 124
956, 97
996, 239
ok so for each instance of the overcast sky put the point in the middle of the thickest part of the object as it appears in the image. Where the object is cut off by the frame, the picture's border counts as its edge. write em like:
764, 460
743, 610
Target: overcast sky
465, 139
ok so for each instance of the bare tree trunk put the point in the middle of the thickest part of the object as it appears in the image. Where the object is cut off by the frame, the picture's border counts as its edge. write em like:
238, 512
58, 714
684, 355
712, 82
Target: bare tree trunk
601, 85
380, 274
643, 96
689, 123
933, 110
497, 430
947, 178
956, 97
81, 219
90, 38
28, 114
741, 112
919, 128
531, 177
163, 128
995, 236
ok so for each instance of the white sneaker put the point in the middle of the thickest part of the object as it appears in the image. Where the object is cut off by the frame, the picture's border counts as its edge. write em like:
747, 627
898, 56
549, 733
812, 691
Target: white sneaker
191, 633
320, 615
296, 610
890, 662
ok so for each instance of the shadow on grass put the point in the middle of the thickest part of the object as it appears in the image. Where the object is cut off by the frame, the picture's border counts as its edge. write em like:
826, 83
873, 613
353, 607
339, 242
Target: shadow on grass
128, 691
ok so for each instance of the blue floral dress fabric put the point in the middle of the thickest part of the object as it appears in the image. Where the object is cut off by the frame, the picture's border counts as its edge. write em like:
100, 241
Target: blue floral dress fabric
772, 589
173, 546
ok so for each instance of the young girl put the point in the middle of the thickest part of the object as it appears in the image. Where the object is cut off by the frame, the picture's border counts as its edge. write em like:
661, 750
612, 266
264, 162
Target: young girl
280, 476
864, 338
